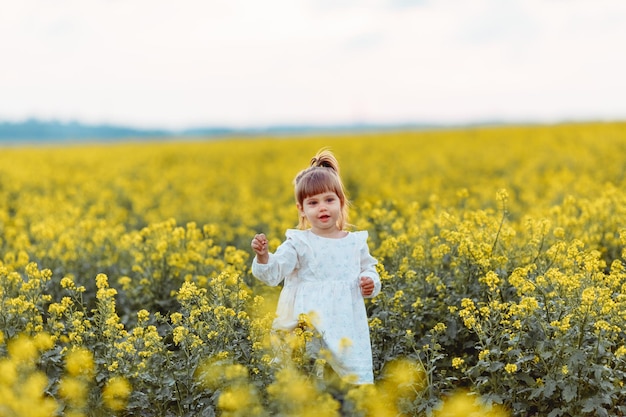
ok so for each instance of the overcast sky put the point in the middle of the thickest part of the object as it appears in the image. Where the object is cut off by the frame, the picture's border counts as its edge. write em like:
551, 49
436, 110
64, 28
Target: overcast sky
186, 63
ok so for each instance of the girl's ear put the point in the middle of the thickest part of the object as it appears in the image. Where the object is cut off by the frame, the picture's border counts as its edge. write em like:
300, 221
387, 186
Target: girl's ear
302, 217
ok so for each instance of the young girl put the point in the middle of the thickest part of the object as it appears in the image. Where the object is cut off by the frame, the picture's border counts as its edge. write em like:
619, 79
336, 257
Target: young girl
326, 271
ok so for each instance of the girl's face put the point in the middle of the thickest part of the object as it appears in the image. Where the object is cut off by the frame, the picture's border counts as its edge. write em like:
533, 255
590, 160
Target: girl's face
322, 211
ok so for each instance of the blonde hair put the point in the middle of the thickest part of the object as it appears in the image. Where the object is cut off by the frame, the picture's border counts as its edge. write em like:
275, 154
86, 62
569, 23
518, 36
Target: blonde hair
321, 176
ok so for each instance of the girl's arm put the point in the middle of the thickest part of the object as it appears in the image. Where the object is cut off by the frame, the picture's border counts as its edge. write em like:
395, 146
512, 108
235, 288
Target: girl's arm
272, 268
259, 246
369, 278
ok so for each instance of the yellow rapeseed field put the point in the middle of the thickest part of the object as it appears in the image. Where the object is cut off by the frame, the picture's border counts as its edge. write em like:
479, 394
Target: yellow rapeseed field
125, 284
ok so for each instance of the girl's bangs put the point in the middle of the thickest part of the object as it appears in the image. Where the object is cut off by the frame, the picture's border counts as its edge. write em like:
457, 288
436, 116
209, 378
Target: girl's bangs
318, 182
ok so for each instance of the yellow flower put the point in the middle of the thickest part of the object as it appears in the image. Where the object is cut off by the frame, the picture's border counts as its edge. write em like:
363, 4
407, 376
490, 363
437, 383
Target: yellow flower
502, 196
68, 283
236, 398
375, 323
43, 341
491, 279
102, 281
79, 362
362, 396
116, 393
465, 404
457, 362
179, 334
402, 378
143, 315
60, 308
603, 325
439, 328
304, 321
510, 368
345, 343
291, 387
125, 282
74, 390
558, 232
529, 304
176, 318
22, 349
563, 325
222, 355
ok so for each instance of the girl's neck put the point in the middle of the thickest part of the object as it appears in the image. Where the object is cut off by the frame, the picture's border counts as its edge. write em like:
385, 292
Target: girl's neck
329, 234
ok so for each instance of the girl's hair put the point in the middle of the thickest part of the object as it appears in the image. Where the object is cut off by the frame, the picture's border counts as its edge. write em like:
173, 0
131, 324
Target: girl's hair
321, 176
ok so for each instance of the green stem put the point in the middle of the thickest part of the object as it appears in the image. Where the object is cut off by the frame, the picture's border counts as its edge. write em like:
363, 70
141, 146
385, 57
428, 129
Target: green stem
504, 213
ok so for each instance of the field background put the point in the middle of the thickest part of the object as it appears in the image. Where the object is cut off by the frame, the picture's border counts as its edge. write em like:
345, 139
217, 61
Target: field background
501, 252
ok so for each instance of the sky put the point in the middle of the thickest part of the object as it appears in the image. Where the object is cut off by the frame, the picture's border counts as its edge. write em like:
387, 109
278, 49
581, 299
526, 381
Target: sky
192, 63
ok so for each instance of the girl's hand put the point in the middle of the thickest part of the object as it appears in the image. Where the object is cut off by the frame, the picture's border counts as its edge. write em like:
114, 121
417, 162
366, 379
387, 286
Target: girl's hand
367, 286
259, 246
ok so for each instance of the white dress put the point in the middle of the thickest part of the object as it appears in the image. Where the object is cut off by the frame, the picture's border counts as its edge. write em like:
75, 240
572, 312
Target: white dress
321, 278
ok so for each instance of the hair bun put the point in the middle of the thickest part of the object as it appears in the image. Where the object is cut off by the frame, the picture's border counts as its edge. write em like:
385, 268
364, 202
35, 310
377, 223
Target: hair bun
325, 159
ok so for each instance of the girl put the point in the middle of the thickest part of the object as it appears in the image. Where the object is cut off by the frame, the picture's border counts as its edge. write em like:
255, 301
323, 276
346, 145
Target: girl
326, 271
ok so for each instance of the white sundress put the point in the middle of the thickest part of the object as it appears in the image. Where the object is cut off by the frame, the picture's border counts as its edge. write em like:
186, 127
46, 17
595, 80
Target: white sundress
321, 278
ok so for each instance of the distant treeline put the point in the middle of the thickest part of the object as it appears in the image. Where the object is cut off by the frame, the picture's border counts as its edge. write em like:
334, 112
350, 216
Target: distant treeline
42, 131
35, 130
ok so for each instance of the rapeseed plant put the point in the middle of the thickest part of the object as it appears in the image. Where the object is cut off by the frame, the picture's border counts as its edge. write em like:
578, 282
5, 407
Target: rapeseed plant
502, 273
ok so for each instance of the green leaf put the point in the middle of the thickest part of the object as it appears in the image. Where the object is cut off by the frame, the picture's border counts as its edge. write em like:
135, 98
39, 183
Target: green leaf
591, 404
569, 392
496, 366
548, 388
556, 412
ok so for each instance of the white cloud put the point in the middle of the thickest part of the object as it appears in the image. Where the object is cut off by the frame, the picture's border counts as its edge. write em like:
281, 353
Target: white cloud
193, 62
